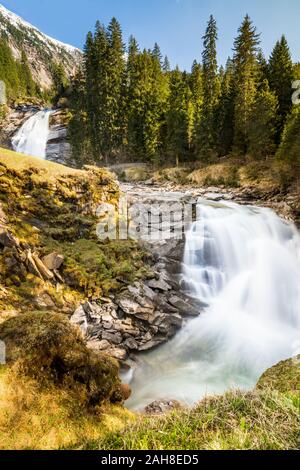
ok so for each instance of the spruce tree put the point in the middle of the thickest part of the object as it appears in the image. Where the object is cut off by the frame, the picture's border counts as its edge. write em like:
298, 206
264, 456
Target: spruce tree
211, 91
78, 129
179, 117
288, 154
9, 72
196, 87
225, 111
166, 65
262, 125
115, 100
28, 81
245, 64
280, 79
157, 54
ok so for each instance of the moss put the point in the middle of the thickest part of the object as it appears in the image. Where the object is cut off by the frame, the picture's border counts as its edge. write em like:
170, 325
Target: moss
52, 208
47, 348
284, 377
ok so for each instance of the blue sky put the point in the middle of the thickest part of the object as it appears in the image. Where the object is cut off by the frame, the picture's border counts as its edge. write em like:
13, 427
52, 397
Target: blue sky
177, 25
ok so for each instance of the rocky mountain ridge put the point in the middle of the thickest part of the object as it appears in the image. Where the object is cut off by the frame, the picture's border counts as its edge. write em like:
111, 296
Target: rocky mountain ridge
41, 49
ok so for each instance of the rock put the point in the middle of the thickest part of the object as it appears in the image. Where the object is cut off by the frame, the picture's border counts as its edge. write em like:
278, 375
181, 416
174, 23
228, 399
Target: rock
185, 306
130, 343
97, 345
163, 305
159, 284
79, 318
44, 301
162, 406
118, 353
112, 337
3, 218
151, 344
53, 261
32, 267
7, 239
45, 272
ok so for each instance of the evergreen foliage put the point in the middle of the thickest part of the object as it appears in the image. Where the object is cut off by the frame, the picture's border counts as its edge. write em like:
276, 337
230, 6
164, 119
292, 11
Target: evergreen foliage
128, 104
280, 76
16, 74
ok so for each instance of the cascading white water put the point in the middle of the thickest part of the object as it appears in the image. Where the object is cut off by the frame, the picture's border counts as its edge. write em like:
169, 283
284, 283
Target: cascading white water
244, 263
31, 138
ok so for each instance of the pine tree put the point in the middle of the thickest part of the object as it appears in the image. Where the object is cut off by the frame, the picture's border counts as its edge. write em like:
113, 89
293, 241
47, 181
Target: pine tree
166, 65
262, 68
245, 64
225, 111
196, 87
288, 154
262, 125
211, 90
95, 52
179, 117
280, 79
60, 80
78, 129
115, 98
148, 89
9, 72
25, 77
157, 54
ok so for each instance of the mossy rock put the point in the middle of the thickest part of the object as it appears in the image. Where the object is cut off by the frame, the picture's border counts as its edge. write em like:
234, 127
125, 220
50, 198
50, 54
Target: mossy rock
284, 377
46, 347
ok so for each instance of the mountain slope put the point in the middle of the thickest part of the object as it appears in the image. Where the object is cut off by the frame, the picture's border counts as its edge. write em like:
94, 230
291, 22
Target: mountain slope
41, 49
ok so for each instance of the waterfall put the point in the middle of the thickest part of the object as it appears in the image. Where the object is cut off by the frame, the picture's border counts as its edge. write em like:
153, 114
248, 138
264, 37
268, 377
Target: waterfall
244, 263
31, 138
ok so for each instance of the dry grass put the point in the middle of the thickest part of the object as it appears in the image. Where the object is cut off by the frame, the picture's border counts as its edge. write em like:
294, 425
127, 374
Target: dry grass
19, 162
33, 418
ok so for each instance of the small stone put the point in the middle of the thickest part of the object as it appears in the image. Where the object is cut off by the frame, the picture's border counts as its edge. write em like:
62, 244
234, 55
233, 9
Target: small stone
118, 353
8, 240
53, 261
97, 345
115, 338
162, 406
159, 284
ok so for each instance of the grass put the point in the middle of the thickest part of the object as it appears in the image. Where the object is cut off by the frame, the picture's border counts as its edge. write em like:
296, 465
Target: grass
247, 421
19, 162
32, 418
52, 208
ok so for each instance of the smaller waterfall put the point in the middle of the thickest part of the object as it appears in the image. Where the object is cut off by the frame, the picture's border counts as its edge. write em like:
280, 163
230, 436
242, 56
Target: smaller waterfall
31, 138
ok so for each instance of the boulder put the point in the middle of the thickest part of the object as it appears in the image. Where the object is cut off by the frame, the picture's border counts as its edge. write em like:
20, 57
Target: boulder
79, 318
186, 306
159, 284
112, 337
45, 272
7, 239
162, 406
97, 345
118, 353
53, 261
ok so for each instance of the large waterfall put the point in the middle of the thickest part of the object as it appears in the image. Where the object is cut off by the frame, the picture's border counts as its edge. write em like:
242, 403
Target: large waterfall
31, 138
244, 263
